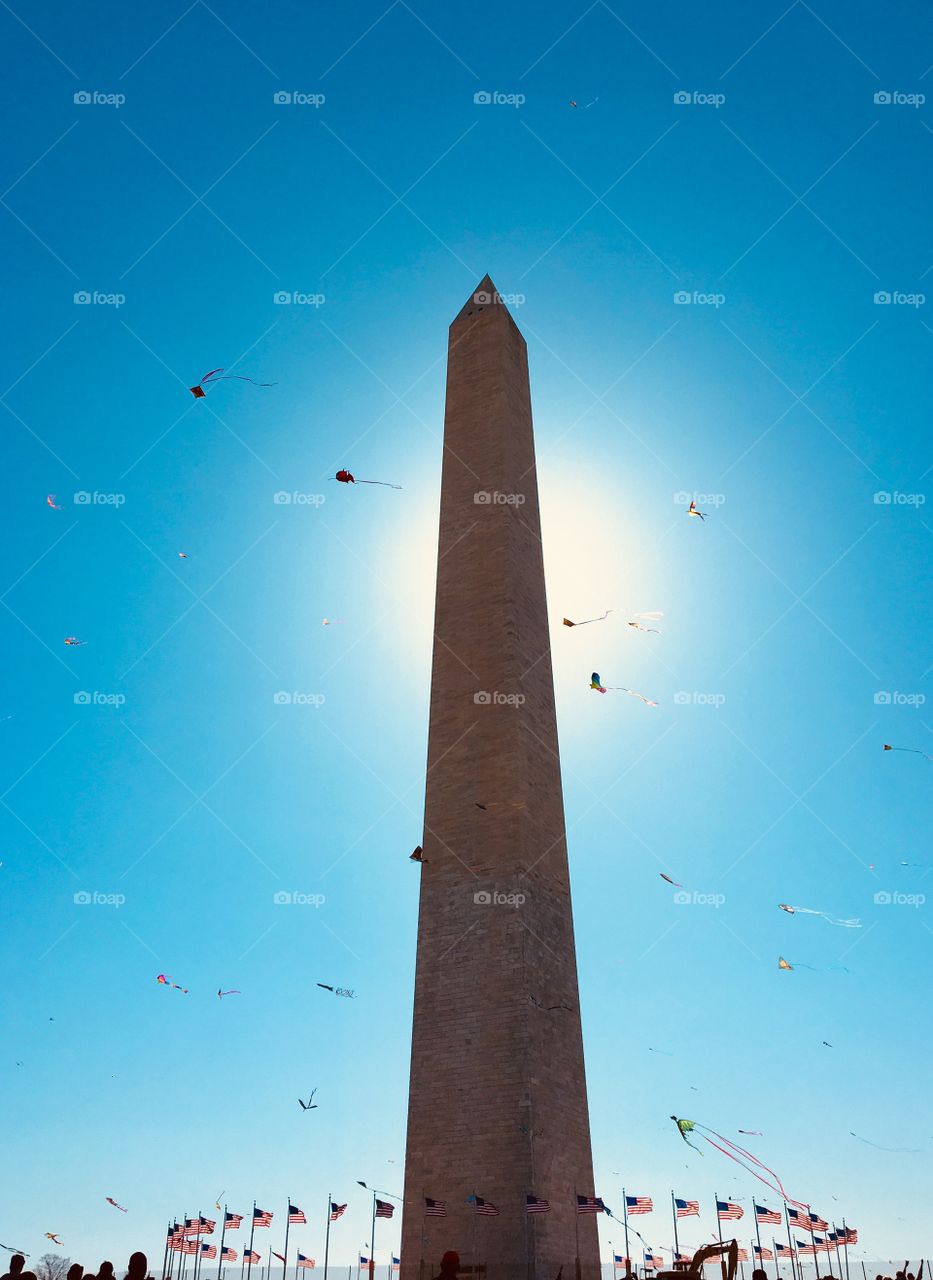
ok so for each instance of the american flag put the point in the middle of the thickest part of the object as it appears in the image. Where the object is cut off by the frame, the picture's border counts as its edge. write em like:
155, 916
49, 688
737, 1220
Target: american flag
307, 1263
815, 1222
232, 1221
653, 1260
763, 1253
262, 1218
726, 1210
683, 1257
251, 1256
686, 1208
590, 1204
192, 1227
797, 1219
228, 1254
743, 1255
620, 1260
484, 1207
849, 1235
766, 1215
207, 1225
337, 1211
396, 1262
280, 1258
296, 1217
208, 1251
783, 1250
364, 1262
804, 1248
534, 1205
189, 1246
639, 1204
175, 1242
435, 1208
384, 1209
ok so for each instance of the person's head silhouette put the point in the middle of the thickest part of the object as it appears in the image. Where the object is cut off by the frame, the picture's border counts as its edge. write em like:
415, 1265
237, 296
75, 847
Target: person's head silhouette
450, 1265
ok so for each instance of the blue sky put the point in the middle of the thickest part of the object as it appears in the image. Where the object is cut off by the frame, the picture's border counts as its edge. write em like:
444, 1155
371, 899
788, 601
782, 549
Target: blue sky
780, 198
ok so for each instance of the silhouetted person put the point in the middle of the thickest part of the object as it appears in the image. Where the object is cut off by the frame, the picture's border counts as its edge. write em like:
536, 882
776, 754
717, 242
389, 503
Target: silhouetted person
16, 1272
758, 1274
450, 1265
106, 1271
138, 1267
76, 1271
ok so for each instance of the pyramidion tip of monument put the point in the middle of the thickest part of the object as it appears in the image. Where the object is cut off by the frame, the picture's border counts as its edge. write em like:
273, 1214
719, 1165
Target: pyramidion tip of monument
484, 299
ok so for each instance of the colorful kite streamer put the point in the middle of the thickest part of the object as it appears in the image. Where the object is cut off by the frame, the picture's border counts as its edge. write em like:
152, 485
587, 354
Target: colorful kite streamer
110, 1200
596, 683
167, 982
73, 640
692, 511
586, 621
786, 964
347, 477
669, 880
218, 375
647, 617
50, 502
750, 1163
911, 750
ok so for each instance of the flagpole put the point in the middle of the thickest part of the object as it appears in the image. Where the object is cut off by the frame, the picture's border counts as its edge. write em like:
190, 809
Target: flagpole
816, 1265
424, 1218
674, 1217
372, 1244
197, 1256
790, 1243
223, 1233
285, 1250
165, 1254
777, 1258
252, 1228
628, 1253
718, 1220
845, 1240
327, 1234
576, 1233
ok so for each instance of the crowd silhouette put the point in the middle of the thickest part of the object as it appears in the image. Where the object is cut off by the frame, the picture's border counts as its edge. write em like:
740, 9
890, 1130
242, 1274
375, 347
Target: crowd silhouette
137, 1269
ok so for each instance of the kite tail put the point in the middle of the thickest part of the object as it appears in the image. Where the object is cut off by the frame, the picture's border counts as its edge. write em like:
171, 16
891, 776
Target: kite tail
384, 483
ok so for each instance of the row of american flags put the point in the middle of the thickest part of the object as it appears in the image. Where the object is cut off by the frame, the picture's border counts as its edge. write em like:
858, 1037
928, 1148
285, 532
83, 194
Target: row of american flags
759, 1253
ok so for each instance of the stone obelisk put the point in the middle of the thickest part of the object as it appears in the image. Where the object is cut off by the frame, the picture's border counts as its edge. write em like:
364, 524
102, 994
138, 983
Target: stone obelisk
497, 1110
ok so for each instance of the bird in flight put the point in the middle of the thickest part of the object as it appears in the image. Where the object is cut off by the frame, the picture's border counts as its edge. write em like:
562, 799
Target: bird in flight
309, 1105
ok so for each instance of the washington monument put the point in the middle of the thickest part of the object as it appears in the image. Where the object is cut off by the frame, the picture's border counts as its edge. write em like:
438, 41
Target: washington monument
497, 1114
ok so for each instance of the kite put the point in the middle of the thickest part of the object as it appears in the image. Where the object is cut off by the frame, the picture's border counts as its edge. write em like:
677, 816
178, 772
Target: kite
217, 1203
167, 982
309, 1105
664, 1051
50, 1235
752, 1133
596, 683
828, 1045
648, 617
325, 986
50, 502
339, 991
750, 1163
221, 994
73, 640
911, 1150
573, 103
806, 911
110, 1200
692, 511
347, 477
602, 617
182, 555
331, 622
669, 880
218, 375
785, 964
418, 855
912, 750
